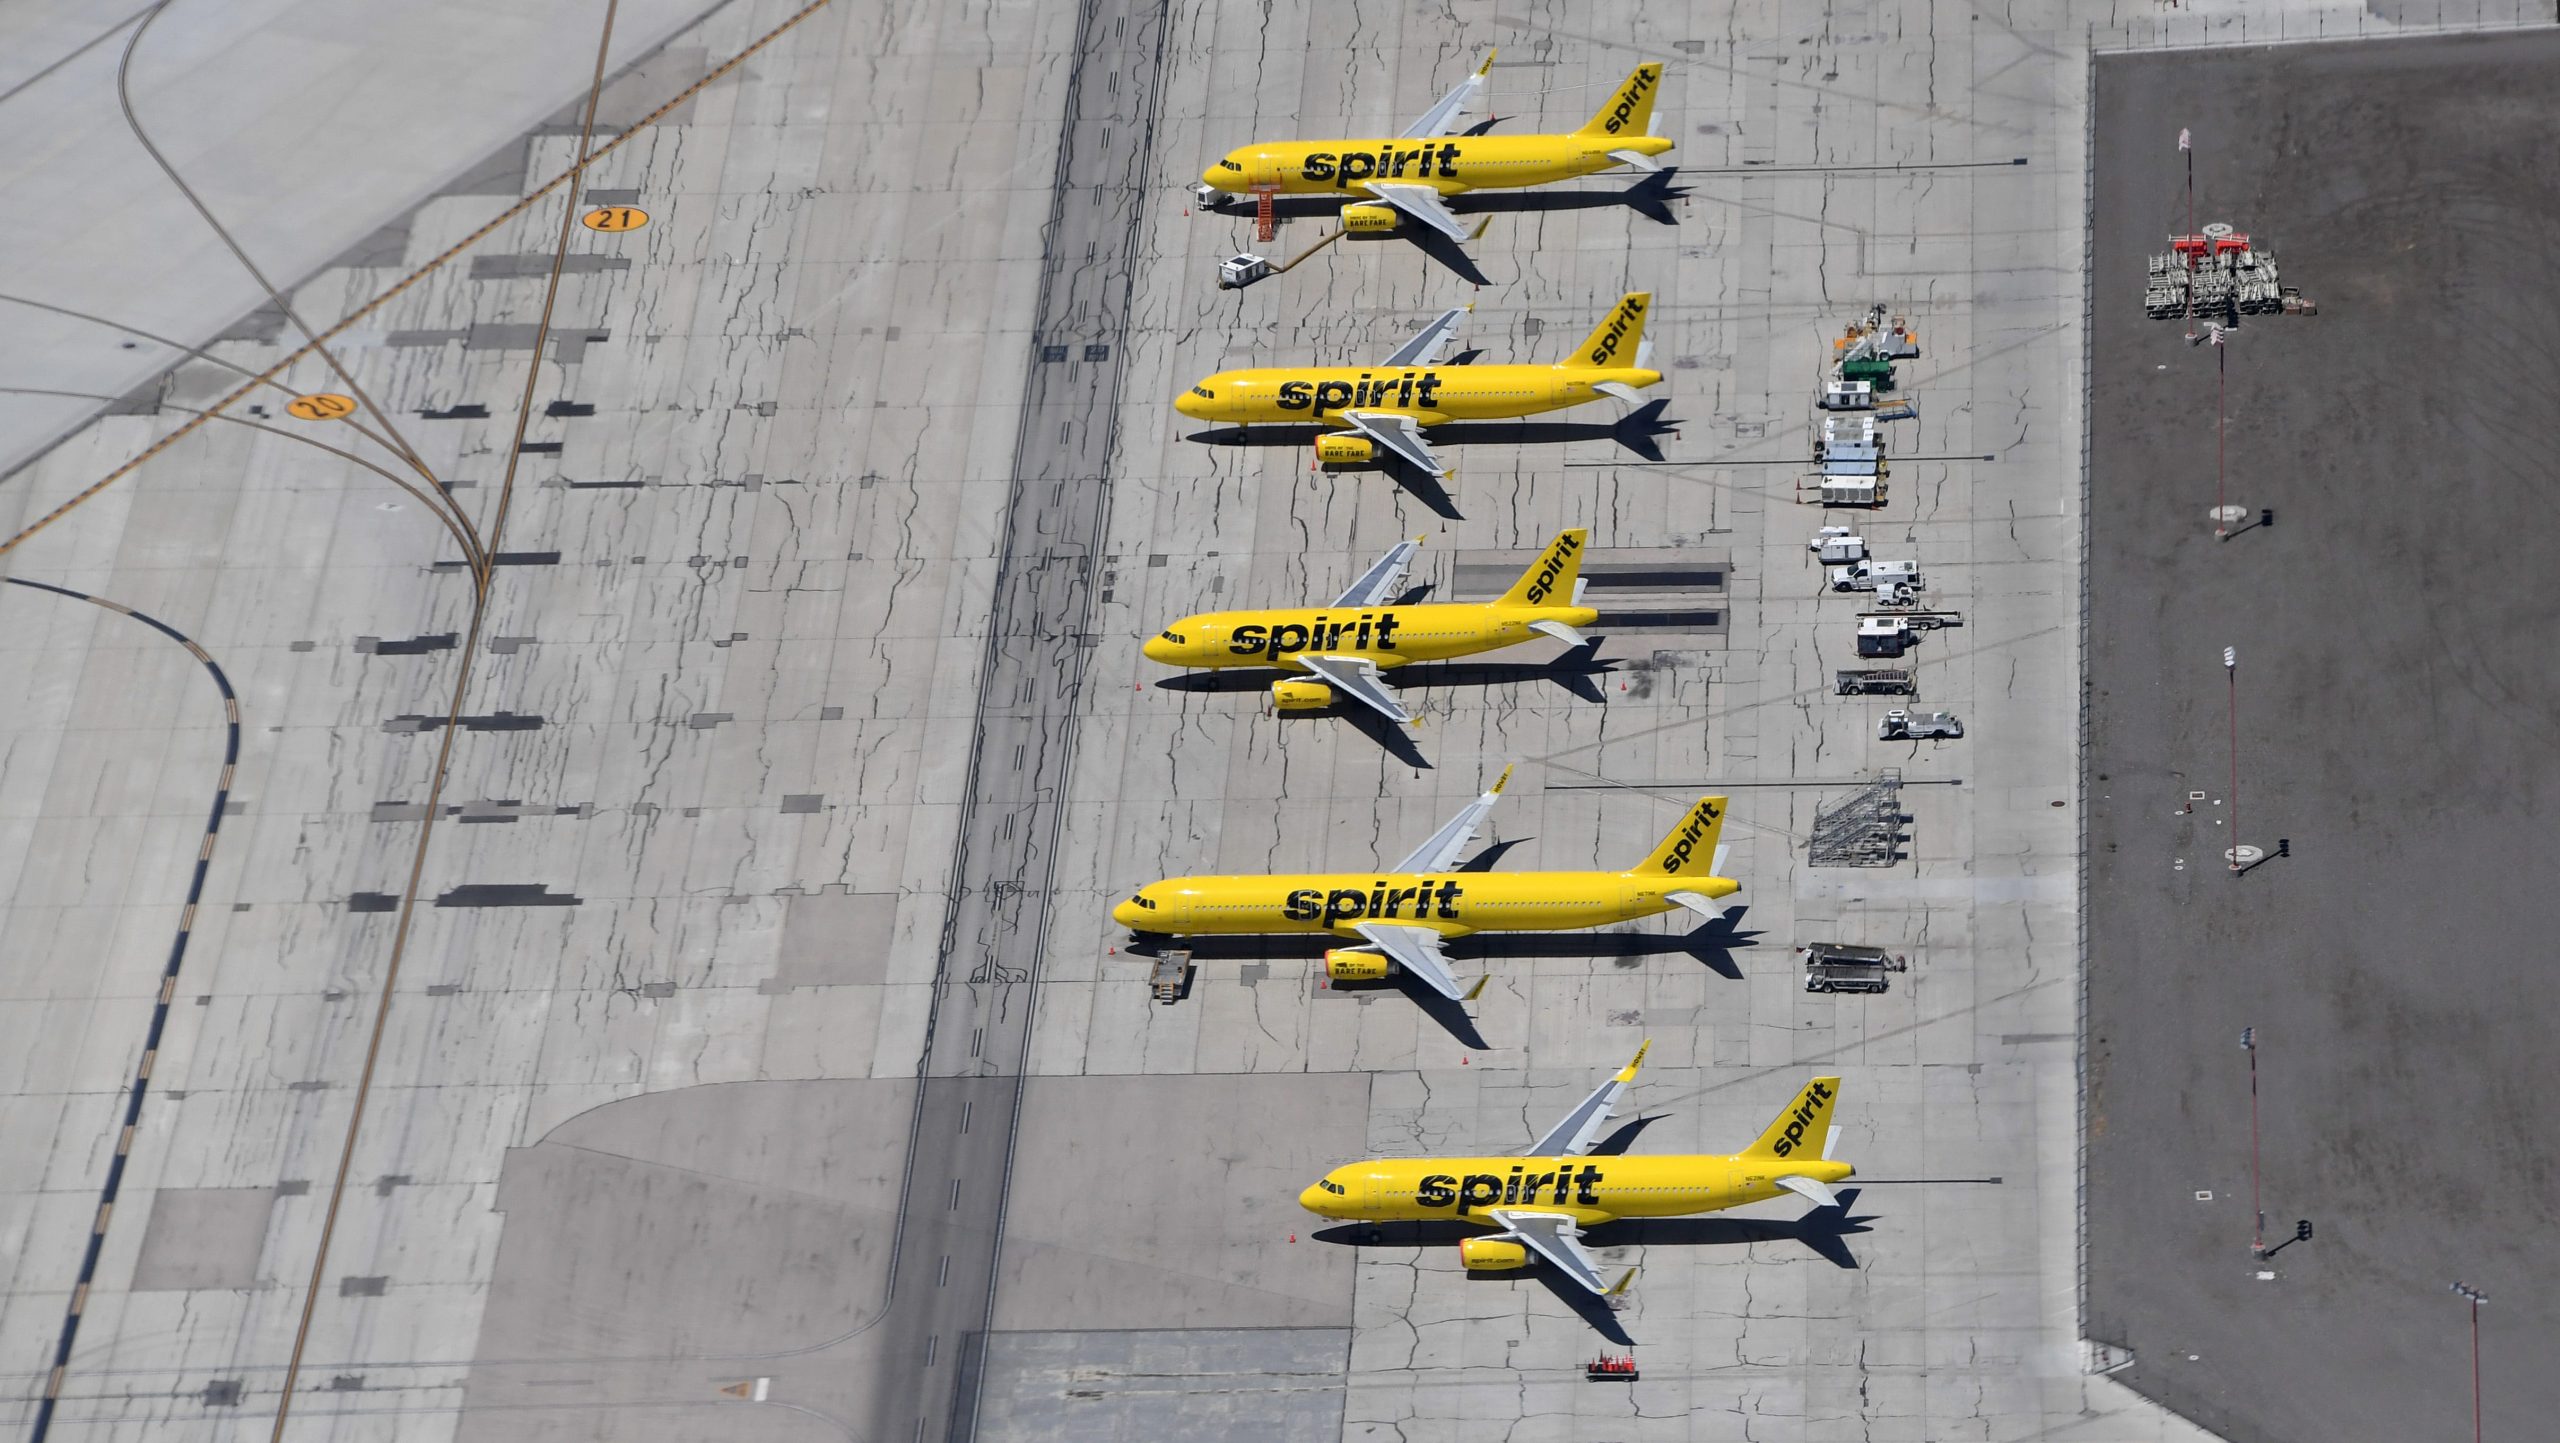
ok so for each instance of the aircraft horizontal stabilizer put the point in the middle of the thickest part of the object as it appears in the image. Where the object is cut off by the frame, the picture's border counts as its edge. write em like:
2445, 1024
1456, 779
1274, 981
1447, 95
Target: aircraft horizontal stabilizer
1560, 632
1620, 391
1703, 906
1805, 1187
1635, 160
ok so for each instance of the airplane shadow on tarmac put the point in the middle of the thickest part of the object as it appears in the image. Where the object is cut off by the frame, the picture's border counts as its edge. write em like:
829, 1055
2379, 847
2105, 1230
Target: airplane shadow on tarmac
1713, 944
1650, 197
1635, 431
1825, 1230
1574, 671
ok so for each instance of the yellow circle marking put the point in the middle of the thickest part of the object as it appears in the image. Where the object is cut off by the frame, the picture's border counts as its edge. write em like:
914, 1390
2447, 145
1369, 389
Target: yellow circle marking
615, 218
322, 406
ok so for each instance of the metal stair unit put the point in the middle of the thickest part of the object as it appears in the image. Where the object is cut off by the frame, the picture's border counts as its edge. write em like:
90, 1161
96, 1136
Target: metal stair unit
1865, 830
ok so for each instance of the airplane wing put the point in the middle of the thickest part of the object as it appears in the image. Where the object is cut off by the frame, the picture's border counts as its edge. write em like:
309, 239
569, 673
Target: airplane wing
1422, 203
1416, 950
1357, 678
1398, 434
1380, 581
1556, 1238
1581, 1127
1438, 854
1442, 118
1427, 344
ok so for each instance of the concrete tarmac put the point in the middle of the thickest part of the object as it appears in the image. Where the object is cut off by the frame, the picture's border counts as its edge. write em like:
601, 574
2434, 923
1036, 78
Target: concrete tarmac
656, 932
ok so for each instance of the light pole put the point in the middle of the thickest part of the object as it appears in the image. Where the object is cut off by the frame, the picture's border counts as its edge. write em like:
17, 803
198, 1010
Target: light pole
2221, 410
2186, 148
2231, 670
2475, 1297
2257, 1210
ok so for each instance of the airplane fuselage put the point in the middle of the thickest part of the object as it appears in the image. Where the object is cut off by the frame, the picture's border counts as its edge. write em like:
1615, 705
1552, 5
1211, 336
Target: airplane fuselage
1452, 904
1429, 394
1388, 636
1447, 164
1589, 1189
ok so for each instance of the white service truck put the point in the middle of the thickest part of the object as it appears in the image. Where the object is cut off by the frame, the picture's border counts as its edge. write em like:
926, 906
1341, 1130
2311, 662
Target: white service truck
1903, 724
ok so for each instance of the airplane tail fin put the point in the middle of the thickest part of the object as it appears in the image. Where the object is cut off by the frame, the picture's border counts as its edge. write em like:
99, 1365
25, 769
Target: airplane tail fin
1615, 341
1630, 110
1550, 579
1805, 1120
1691, 847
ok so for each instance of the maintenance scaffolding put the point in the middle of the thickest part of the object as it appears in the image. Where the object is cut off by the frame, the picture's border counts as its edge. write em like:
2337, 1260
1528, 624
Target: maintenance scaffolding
1864, 831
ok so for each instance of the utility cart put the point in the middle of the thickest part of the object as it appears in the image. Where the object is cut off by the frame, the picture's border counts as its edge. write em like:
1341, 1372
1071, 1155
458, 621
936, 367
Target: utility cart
1878, 681
1837, 967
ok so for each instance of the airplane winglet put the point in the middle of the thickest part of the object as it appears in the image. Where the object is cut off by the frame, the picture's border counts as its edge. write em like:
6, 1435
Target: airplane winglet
1503, 781
1478, 990
1478, 232
1620, 1288
1628, 1072
1488, 61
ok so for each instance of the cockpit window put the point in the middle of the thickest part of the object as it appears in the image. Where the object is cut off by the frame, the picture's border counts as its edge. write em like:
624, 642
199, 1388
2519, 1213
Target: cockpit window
1329, 1185
1204, 393
1177, 638
1229, 165
1141, 900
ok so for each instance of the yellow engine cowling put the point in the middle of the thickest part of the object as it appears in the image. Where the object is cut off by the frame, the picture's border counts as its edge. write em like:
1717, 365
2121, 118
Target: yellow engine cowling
1491, 1255
1300, 695
1369, 219
1357, 965
1340, 448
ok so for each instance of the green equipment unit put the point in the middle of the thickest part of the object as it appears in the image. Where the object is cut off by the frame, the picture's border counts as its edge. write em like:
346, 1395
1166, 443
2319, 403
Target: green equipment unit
1876, 372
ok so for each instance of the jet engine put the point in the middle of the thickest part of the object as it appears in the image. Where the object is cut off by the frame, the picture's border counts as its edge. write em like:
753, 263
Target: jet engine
1491, 1255
1357, 965
1291, 696
1341, 448
1369, 218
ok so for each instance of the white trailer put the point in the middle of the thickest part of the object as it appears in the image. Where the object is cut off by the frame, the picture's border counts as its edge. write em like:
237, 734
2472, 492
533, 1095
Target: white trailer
1834, 545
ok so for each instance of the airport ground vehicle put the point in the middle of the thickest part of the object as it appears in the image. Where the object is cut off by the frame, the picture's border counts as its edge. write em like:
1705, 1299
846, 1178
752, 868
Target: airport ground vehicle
1891, 633
1901, 723
1837, 545
1838, 967
1880, 681
1241, 269
1870, 575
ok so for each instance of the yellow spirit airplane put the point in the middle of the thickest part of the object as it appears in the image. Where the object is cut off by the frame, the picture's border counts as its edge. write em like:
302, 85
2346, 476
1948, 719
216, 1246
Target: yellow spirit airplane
1411, 175
1402, 915
1343, 647
1366, 408
1541, 1201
